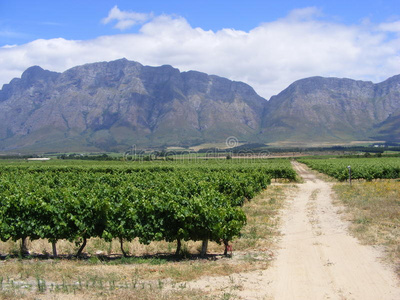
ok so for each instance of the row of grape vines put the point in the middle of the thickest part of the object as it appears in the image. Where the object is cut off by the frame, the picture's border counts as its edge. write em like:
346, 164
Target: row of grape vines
152, 203
361, 168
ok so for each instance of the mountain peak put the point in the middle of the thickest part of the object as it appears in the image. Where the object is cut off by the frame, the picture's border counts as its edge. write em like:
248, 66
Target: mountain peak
35, 73
311, 84
31, 71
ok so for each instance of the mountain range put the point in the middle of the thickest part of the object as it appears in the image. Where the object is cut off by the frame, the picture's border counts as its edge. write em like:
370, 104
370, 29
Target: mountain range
110, 106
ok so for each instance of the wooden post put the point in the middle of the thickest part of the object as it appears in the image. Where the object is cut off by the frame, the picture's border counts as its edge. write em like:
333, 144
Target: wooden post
349, 167
54, 246
121, 243
24, 247
204, 247
178, 247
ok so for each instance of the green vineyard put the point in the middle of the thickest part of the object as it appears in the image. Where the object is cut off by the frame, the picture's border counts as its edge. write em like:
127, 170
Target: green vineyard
150, 201
361, 168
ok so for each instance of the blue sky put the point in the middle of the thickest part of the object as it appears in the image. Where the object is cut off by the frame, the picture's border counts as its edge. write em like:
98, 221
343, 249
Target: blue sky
267, 44
27, 20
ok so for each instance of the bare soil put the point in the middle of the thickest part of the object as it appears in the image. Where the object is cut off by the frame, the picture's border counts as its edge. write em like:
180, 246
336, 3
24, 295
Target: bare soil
317, 257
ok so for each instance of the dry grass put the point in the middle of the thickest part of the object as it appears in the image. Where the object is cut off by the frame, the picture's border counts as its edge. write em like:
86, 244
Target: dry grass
139, 293
152, 272
374, 211
263, 219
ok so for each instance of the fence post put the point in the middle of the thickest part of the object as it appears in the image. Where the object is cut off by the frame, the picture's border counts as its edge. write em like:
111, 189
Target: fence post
349, 167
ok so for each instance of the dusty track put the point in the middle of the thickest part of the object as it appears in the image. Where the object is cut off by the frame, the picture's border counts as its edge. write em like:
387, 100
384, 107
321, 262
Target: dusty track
317, 258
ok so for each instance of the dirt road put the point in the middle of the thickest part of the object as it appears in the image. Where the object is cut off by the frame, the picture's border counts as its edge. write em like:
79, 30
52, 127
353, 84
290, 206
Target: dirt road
317, 258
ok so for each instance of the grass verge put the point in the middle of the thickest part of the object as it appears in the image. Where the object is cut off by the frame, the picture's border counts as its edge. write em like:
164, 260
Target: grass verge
373, 208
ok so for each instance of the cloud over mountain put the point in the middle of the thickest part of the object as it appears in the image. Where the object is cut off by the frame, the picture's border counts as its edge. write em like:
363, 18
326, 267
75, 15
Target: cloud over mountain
268, 57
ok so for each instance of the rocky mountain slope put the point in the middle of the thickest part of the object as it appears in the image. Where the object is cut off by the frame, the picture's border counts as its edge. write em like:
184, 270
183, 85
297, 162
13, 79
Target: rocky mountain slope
331, 109
113, 105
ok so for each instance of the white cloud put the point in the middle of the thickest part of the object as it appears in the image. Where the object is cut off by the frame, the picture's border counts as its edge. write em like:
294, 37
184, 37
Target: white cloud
303, 14
10, 33
391, 26
8, 46
269, 57
125, 19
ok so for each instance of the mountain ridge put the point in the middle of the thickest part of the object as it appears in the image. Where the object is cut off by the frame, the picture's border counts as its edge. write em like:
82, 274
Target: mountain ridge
109, 106
339, 108
112, 105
